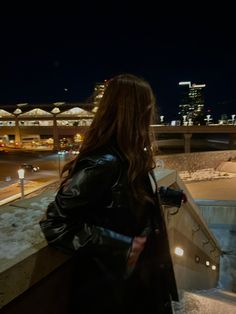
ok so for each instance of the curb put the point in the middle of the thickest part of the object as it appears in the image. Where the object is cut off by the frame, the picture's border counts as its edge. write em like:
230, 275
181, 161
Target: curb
27, 192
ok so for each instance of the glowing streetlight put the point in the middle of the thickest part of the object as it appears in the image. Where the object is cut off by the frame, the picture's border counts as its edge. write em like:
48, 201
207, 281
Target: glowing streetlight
21, 174
207, 263
179, 251
185, 122
233, 118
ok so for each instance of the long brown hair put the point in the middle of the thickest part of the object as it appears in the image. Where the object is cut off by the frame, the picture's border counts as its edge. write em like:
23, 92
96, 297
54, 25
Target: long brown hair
125, 113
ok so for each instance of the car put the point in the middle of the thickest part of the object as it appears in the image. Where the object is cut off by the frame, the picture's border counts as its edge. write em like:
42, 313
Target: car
62, 152
75, 152
30, 167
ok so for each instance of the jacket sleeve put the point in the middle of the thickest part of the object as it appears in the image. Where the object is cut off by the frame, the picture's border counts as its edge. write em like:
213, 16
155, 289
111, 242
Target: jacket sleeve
69, 238
87, 188
70, 222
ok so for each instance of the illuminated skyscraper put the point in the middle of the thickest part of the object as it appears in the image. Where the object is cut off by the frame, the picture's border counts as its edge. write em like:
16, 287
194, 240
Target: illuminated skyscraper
191, 103
98, 93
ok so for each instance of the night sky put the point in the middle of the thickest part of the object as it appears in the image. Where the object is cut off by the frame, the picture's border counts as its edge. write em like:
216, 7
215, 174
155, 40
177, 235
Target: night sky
59, 57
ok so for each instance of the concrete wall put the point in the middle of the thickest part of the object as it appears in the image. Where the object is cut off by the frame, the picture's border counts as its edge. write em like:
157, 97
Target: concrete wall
47, 294
195, 161
221, 218
188, 229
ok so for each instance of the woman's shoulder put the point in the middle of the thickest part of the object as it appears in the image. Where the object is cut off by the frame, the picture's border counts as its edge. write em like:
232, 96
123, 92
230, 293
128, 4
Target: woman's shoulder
105, 155
102, 163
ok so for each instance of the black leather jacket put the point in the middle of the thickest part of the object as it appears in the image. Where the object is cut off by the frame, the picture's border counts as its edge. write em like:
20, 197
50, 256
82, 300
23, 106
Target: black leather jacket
98, 208
97, 194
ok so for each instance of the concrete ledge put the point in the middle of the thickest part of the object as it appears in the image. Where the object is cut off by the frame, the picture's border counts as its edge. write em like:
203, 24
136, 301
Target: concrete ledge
30, 273
27, 192
194, 161
27, 271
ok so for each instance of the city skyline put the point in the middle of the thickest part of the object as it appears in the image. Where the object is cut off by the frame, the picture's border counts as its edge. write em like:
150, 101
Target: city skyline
61, 57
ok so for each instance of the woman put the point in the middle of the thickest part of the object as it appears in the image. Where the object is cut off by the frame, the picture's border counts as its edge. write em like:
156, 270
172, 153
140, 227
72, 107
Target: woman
107, 212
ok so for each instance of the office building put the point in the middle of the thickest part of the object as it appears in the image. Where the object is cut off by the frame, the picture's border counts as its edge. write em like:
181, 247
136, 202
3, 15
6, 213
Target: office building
191, 103
97, 94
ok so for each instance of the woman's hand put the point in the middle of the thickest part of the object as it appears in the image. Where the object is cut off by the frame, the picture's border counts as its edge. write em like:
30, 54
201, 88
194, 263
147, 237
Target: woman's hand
136, 249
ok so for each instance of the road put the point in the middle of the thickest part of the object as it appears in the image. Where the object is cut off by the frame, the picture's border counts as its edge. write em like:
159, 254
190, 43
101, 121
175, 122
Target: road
11, 161
50, 165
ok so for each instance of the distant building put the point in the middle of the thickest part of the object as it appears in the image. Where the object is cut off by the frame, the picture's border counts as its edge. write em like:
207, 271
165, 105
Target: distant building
22, 124
98, 93
191, 103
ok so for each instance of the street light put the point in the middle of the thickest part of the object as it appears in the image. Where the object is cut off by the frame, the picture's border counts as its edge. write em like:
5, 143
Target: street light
21, 174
